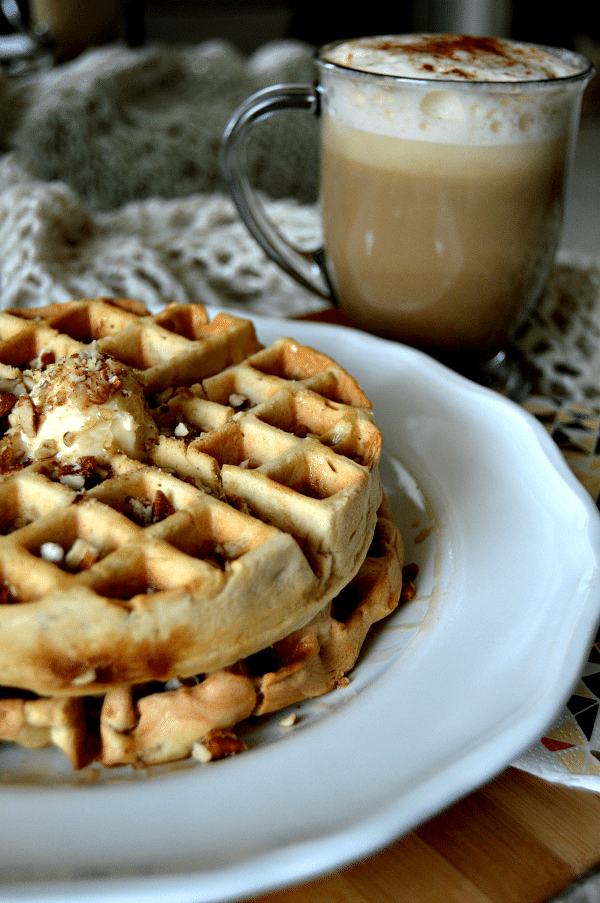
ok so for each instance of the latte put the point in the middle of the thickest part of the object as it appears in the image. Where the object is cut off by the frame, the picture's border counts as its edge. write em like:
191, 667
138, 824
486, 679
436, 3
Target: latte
442, 193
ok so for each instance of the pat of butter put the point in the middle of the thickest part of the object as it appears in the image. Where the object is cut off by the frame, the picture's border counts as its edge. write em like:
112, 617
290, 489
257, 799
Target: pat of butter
86, 405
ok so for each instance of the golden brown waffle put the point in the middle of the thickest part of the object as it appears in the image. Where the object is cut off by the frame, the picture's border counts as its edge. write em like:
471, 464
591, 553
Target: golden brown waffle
249, 503
152, 724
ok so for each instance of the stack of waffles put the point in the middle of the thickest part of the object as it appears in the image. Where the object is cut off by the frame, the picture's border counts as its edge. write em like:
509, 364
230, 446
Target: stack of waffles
193, 529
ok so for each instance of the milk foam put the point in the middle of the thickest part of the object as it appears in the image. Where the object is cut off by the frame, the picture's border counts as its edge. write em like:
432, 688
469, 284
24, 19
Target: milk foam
523, 99
451, 57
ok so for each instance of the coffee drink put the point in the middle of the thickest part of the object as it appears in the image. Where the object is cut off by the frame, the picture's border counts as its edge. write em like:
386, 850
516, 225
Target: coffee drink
442, 202
444, 163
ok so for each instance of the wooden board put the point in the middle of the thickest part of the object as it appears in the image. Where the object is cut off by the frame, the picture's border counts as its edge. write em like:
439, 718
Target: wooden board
516, 840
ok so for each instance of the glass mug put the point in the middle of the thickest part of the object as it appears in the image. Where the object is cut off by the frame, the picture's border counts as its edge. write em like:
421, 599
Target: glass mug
441, 196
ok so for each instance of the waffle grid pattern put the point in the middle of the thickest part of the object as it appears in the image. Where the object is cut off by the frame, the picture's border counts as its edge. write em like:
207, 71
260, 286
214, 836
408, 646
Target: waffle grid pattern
260, 492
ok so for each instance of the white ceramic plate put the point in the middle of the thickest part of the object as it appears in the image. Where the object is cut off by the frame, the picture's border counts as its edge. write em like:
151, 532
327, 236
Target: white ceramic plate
447, 692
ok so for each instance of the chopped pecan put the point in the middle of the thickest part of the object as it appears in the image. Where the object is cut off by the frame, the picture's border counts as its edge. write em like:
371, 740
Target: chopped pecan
409, 575
161, 507
221, 742
28, 415
7, 402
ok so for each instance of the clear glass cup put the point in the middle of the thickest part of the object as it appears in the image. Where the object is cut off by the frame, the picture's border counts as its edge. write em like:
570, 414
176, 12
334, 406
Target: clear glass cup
441, 201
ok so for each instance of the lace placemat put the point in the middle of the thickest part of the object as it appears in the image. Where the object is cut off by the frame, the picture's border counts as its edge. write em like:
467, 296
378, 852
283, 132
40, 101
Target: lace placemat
561, 337
54, 248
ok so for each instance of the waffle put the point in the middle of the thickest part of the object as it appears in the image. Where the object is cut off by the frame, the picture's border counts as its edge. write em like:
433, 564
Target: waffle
149, 725
174, 498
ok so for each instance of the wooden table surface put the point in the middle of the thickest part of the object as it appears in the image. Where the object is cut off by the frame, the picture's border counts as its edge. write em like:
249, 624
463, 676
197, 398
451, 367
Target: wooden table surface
518, 839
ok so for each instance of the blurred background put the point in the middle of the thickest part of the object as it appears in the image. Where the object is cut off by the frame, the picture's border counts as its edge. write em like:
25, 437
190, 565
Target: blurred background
77, 24
166, 121
248, 23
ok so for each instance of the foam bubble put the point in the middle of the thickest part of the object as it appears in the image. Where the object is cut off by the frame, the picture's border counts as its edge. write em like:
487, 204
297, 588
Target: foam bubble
444, 105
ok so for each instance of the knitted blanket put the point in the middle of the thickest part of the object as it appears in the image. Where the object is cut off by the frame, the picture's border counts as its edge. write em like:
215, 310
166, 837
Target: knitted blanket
120, 124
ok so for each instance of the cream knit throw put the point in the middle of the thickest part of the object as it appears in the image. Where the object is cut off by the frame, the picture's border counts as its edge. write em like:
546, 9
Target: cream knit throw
120, 124
110, 186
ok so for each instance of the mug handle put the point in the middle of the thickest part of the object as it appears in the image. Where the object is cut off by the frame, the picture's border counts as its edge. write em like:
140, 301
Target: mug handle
307, 267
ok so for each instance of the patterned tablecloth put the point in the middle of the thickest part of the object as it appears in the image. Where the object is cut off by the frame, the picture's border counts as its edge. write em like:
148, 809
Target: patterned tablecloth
561, 340
569, 752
